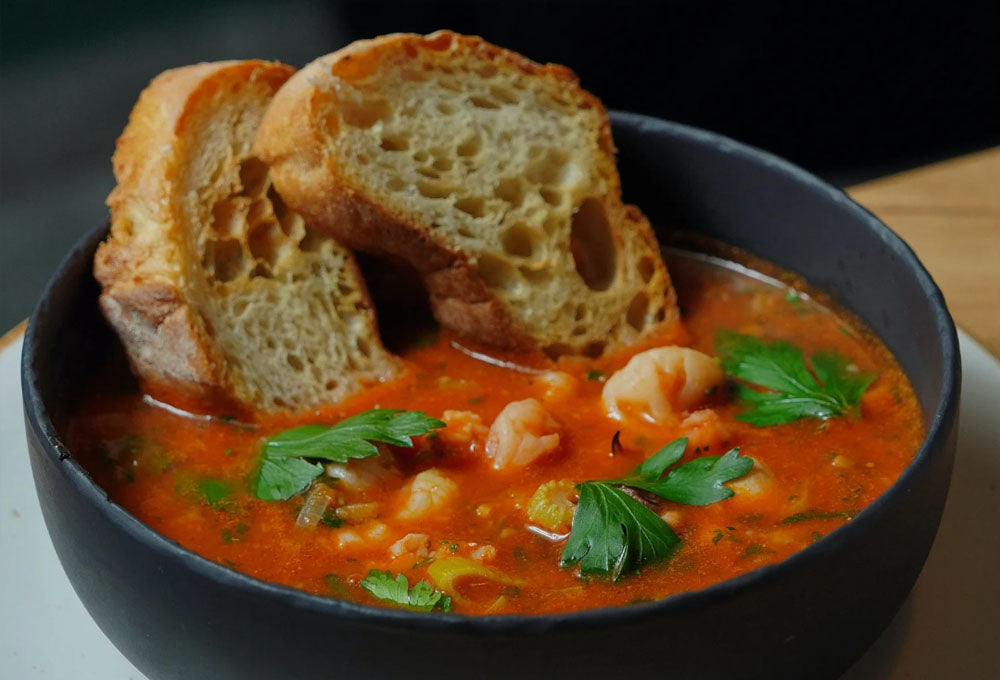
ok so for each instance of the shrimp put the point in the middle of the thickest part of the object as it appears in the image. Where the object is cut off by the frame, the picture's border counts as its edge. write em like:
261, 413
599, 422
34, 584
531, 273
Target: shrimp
558, 385
464, 428
521, 433
414, 545
376, 531
430, 490
348, 539
755, 482
704, 429
660, 381
363, 473
484, 553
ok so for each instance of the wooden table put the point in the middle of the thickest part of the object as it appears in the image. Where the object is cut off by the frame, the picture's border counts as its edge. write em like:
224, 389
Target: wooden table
949, 213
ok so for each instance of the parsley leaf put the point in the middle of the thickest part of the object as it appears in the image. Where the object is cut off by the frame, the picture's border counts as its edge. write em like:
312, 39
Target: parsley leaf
421, 597
653, 467
793, 391
614, 534
697, 482
770, 408
279, 479
843, 384
283, 471
353, 437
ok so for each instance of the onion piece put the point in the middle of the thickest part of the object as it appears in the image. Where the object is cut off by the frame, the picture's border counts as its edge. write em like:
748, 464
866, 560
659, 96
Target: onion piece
447, 571
316, 503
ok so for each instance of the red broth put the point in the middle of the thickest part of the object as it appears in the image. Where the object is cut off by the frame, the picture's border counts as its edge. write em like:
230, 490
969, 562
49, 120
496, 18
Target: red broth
188, 478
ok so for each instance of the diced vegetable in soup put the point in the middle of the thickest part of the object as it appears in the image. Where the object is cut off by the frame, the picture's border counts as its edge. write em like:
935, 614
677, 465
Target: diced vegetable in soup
512, 487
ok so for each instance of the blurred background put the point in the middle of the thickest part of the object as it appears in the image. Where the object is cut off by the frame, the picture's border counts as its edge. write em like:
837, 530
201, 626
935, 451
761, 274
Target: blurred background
850, 91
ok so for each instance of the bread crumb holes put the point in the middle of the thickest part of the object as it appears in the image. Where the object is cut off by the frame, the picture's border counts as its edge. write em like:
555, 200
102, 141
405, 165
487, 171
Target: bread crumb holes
592, 245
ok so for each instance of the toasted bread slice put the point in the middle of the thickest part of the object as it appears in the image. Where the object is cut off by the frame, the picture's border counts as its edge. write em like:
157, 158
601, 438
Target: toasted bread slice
493, 175
216, 288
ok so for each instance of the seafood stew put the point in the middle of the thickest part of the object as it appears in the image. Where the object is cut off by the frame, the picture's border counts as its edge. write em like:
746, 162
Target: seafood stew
480, 483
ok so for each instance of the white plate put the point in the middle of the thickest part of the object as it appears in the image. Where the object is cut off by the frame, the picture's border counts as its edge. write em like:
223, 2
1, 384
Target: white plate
949, 627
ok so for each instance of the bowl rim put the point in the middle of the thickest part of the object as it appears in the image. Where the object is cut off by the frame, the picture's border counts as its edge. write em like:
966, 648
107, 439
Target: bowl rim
224, 577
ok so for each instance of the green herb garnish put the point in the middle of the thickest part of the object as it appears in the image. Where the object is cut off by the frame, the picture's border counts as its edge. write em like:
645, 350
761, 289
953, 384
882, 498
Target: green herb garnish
814, 515
614, 534
215, 492
756, 549
336, 585
234, 536
750, 518
697, 482
284, 470
832, 388
595, 375
421, 597
279, 479
423, 563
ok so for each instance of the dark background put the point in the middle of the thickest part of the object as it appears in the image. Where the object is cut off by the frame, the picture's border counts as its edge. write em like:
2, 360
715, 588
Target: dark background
850, 91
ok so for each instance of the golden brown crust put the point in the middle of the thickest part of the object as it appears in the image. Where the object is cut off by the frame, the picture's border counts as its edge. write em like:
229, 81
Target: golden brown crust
138, 266
219, 292
301, 125
292, 142
142, 300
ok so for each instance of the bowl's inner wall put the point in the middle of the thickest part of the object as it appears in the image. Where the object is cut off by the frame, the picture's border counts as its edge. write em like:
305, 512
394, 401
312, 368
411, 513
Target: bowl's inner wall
786, 216
72, 340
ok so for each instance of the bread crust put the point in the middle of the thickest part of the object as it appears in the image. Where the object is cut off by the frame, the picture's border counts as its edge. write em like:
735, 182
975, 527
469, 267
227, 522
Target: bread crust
147, 268
293, 144
300, 125
167, 345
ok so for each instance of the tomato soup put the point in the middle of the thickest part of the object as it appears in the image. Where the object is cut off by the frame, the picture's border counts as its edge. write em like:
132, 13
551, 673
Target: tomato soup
473, 536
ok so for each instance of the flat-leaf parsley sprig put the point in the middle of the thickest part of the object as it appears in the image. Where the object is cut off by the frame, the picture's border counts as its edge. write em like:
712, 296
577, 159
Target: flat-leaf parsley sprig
832, 388
614, 534
285, 469
421, 597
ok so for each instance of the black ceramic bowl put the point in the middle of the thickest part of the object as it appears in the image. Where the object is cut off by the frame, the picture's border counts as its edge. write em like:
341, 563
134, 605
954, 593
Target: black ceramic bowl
177, 615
